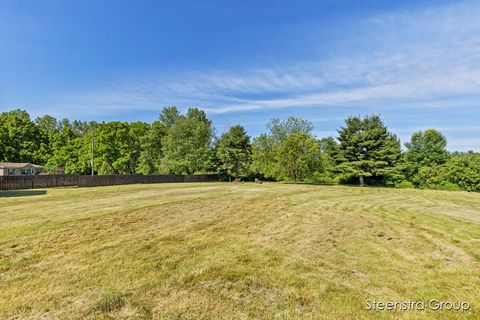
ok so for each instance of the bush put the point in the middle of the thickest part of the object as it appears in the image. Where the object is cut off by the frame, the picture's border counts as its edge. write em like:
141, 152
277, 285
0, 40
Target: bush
405, 185
323, 178
445, 186
464, 171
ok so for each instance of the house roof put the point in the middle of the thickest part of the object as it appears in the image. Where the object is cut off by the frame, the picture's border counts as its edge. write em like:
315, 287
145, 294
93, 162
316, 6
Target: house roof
14, 165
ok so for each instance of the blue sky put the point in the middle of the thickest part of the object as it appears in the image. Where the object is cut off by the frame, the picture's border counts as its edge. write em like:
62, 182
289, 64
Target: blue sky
416, 63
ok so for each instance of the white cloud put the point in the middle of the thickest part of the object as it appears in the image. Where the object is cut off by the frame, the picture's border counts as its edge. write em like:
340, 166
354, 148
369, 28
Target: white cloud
403, 59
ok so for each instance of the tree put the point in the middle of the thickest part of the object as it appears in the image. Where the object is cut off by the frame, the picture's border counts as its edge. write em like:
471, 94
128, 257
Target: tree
464, 171
20, 138
265, 147
65, 147
366, 149
151, 154
280, 130
47, 124
298, 156
426, 149
150, 161
169, 116
326, 171
233, 151
118, 146
187, 144
48, 127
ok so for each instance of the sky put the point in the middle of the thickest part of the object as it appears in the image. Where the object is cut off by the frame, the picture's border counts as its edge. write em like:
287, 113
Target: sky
415, 63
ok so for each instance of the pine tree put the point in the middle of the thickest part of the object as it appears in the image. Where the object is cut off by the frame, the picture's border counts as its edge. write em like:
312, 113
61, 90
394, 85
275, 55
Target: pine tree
233, 151
366, 149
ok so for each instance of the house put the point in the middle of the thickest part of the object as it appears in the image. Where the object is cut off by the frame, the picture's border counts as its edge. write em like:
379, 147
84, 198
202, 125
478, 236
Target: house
19, 169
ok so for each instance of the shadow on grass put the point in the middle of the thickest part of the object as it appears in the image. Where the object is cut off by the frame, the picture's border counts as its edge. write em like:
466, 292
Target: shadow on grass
21, 193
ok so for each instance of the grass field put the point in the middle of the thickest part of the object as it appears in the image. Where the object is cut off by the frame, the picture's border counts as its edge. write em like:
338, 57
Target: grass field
236, 251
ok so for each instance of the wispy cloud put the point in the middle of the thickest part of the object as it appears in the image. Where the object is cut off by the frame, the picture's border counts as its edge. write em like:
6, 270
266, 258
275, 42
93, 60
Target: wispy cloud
402, 59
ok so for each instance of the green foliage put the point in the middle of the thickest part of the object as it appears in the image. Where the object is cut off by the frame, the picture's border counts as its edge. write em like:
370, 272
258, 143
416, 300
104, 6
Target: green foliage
425, 149
264, 151
280, 130
67, 156
186, 145
367, 149
265, 148
298, 156
118, 146
404, 184
464, 171
182, 144
21, 140
233, 151
328, 149
429, 176
151, 154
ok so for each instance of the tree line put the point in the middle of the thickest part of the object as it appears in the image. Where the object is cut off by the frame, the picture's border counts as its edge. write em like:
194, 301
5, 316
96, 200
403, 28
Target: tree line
363, 152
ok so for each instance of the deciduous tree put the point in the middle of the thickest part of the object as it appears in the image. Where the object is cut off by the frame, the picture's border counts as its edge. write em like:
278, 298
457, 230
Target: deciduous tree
298, 156
187, 144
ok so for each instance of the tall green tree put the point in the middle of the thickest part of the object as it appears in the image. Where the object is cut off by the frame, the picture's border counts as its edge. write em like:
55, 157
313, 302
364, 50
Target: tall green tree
21, 139
186, 146
233, 151
151, 154
427, 147
366, 149
66, 147
298, 156
427, 150
281, 129
150, 161
265, 147
118, 146
326, 172
47, 124
48, 127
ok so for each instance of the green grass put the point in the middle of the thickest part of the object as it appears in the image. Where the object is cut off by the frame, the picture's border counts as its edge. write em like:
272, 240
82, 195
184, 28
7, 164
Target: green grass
236, 251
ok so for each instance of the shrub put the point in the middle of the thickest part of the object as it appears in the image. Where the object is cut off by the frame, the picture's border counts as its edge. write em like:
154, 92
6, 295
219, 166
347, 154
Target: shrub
405, 185
323, 178
445, 185
464, 171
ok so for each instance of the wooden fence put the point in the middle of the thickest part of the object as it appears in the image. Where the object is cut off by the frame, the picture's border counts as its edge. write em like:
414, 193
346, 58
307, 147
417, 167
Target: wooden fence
50, 181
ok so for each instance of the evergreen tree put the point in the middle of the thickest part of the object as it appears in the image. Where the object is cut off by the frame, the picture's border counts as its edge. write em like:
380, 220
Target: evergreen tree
366, 149
233, 151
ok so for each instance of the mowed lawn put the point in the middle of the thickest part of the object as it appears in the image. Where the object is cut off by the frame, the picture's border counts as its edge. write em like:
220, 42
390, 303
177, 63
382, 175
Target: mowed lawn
235, 251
